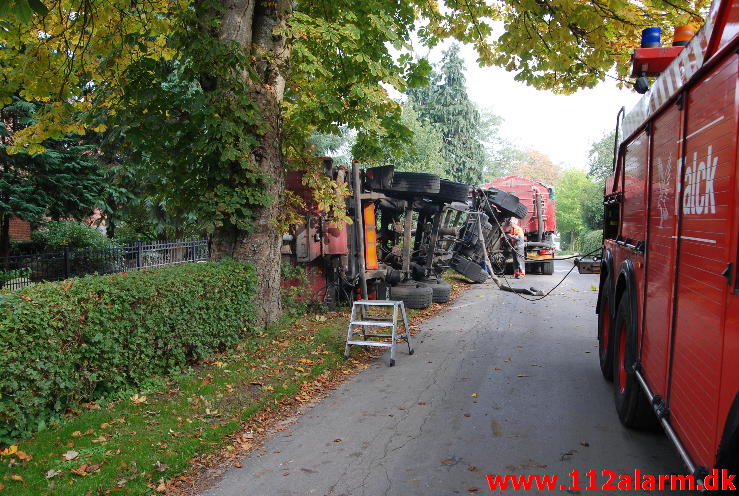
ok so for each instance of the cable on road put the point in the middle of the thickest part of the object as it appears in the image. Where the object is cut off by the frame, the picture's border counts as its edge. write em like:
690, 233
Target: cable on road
511, 288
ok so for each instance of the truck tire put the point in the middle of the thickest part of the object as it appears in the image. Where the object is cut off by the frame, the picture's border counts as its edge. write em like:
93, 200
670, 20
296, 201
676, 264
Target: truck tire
413, 295
507, 203
547, 268
469, 269
632, 405
605, 332
450, 192
442, 290
415, 183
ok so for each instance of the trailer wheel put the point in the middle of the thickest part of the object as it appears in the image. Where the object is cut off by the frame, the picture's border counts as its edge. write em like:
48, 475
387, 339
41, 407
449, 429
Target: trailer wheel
605, 334
547, 268
469, 269
632, 405
415, 183
442, 290
450, 191
413, 295
508, 203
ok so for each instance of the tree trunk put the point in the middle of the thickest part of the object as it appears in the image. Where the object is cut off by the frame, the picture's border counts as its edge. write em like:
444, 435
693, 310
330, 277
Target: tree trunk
252, 24
5, 236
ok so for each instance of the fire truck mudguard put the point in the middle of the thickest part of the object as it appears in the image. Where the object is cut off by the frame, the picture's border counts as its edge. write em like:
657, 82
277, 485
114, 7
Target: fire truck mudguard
632, 406
605, 308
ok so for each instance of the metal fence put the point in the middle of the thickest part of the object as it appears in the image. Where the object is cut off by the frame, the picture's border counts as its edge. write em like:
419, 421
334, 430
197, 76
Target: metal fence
19, 271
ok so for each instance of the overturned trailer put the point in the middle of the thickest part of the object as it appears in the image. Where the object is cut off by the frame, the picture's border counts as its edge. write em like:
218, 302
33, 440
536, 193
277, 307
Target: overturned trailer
396, 246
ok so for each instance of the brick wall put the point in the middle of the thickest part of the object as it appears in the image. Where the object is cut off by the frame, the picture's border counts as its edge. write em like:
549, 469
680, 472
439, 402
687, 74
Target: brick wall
20, 230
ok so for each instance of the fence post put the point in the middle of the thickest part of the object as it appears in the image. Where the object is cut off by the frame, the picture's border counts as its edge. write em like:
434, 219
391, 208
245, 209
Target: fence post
66, 262
139, 252
192, 243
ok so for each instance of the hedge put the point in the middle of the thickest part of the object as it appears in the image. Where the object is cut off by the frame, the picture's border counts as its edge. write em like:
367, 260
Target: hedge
85, 339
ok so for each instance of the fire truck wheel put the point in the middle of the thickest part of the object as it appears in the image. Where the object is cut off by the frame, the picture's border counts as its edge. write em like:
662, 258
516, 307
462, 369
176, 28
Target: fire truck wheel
547, 268
415, 182
414, 295
441, 290
450, 191
632, 405
605, 333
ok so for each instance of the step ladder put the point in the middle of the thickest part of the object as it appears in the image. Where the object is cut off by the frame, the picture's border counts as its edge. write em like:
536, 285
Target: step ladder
360, 324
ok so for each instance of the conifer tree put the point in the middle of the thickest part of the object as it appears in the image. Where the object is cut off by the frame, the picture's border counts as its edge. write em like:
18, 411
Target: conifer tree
65, 181
447, 106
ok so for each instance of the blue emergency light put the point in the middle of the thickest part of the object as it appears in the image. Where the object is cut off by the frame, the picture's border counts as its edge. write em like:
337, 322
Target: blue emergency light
651, 38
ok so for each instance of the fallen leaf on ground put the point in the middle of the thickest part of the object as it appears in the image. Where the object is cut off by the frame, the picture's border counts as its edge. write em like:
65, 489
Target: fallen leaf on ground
137, 399
9, 450
474, 395
52, 473
23, 456
471, 468
160, 467
16, 477
70, 455
467, 414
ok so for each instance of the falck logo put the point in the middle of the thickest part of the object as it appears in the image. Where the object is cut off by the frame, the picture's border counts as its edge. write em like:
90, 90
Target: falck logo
699, 197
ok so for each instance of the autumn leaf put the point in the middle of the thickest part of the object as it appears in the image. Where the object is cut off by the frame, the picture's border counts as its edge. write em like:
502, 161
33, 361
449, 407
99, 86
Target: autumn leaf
9, 450
70, 455
137, 399
16, 477
52, 473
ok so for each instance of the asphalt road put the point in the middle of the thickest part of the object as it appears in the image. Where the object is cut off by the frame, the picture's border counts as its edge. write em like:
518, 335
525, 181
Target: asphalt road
497, 385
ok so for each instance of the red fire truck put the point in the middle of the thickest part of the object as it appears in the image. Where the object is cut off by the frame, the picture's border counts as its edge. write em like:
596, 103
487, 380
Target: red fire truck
668, 306
540, 223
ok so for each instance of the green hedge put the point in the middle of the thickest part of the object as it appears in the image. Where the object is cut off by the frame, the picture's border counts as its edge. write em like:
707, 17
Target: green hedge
85, 339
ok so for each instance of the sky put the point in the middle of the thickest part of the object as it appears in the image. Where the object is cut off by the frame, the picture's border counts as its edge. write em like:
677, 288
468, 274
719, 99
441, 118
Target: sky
560, 126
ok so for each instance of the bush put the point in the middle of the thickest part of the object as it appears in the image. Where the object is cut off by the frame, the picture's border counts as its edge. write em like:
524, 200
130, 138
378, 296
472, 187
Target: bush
84, 339
53, 235
590, 241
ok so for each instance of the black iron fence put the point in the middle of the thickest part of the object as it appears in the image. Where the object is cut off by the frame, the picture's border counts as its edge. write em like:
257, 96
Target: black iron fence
19, 271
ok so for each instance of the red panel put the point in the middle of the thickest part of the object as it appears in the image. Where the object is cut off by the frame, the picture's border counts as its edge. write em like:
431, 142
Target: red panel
705, 250
652, 61
525, 190
635, 175
335, 239
661, 249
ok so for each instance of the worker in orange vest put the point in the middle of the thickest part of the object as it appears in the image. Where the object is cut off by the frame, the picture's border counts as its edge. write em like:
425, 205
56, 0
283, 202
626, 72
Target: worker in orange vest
515, 236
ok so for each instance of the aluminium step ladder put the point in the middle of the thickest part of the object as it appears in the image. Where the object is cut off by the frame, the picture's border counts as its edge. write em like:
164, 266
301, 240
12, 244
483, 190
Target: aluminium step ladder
364, 322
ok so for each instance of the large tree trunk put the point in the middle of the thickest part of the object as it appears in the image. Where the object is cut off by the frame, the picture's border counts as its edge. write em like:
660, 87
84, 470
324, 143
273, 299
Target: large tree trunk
252, 24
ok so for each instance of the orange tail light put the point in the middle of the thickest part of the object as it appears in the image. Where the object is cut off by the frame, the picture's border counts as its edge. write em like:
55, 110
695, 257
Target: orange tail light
370, 237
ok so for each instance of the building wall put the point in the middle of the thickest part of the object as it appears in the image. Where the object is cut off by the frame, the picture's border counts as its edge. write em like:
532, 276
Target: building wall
20, 230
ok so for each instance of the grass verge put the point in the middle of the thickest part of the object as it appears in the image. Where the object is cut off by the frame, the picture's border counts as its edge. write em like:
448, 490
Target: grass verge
133, 446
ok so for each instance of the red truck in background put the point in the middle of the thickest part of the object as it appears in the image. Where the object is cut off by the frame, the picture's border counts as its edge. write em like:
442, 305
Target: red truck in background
668, 304
539, 225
